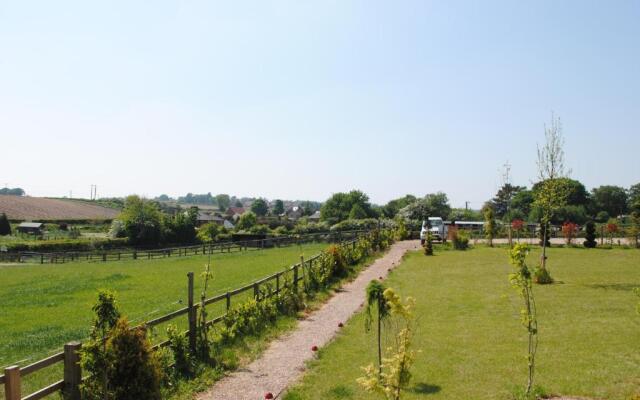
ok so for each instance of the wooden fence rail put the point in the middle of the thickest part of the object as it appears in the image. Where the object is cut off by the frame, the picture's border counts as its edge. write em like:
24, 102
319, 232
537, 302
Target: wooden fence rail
70, 384
182, 251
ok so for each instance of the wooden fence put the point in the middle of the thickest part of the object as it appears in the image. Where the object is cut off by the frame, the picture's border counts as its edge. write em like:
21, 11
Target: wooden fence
72, 377
183, 251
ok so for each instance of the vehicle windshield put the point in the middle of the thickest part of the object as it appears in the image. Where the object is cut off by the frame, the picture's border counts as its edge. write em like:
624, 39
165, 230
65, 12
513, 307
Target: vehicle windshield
436, 223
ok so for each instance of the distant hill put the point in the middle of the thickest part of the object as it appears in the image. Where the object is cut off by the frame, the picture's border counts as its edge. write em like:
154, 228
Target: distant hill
43, 209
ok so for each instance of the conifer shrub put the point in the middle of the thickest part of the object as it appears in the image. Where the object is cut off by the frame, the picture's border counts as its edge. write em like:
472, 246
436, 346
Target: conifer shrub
590, 235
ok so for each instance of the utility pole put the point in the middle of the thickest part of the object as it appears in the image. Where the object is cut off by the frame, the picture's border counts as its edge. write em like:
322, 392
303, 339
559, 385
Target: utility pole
466, 205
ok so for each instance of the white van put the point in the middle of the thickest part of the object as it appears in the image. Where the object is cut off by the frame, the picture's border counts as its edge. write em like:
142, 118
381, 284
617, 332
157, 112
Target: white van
436, 226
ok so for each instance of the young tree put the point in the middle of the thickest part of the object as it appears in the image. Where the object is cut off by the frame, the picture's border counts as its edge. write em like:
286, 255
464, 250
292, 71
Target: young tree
552, 194
428, 245
5, 226
375, 300
521, 281
259, 207
489, 223
278, 207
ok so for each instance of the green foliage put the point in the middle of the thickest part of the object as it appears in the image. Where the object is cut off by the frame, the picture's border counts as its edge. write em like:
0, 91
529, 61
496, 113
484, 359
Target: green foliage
611, 199
190, 198
390, 210
520, 280
223, 201
428, 245
183, 362
182, 227
590, 235
5, 226
355, 224
431, 205
542, 276
94, 358
489, 223
394, 374
460, 240
143, 221
501, 203
134, 370
67, 245
12, 191
401, 232
340, 205
246, 221
208, 232
259, 207
278, 207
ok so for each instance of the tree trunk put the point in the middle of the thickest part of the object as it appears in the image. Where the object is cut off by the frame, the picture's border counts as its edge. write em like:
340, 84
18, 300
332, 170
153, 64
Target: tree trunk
543, 262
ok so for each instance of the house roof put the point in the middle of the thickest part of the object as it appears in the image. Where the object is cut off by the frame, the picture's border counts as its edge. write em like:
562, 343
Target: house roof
315, 215
30, 225
235, 210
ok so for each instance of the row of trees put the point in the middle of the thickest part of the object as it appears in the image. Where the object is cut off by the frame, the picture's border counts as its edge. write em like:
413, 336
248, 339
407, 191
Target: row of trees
12, 191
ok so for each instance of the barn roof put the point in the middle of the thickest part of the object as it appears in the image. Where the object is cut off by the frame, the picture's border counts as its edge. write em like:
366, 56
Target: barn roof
30, 225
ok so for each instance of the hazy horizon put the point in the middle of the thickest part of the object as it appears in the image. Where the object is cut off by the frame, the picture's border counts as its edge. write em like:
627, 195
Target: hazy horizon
298, 100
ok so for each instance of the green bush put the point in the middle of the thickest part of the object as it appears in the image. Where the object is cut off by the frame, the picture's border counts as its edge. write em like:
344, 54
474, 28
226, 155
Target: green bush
590, 235
134, 370
460, 240
183, 362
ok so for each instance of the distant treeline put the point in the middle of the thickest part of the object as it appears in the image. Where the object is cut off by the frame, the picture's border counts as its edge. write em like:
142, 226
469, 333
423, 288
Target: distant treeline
12, 191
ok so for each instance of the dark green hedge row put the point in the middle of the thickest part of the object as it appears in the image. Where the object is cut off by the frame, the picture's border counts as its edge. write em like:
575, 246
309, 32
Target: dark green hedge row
48, 246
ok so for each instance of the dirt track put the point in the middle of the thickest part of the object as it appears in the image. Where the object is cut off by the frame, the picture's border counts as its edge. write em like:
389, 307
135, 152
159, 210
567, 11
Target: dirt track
284, 360
39, 208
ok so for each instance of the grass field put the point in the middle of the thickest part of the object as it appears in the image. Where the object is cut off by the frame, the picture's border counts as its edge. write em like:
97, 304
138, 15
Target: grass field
44, 306
473, 346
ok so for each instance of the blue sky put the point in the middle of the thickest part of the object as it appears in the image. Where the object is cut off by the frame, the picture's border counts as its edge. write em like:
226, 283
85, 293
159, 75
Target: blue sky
298, 100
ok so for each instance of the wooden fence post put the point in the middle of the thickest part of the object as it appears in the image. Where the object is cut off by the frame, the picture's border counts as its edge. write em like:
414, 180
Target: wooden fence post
72, 371
228, 301
135, 255
192, 315
278, 283
295, 278
256, 292
12, 383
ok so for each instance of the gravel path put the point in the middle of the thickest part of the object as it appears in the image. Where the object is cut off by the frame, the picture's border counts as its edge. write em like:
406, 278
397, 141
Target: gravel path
284, 360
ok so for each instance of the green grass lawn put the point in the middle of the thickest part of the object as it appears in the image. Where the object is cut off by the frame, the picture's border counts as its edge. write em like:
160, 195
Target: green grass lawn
44, 306
473, 346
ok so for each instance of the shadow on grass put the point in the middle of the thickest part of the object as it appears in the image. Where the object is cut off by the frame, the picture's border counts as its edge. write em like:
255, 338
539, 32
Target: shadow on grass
627, 287
425, 388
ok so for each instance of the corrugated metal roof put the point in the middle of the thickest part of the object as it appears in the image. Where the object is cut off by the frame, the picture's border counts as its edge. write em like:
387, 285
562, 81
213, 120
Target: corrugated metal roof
30, 225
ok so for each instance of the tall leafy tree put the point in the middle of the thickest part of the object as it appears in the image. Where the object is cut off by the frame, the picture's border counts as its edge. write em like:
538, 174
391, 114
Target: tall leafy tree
634, 195
390, 210
259, 207
431, 205
611, 199
223, 201
143, 222
338, 207
278, 207
502, 200
247, 221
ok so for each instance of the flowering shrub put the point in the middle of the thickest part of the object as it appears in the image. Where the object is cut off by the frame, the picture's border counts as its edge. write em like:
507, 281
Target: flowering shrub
569, 230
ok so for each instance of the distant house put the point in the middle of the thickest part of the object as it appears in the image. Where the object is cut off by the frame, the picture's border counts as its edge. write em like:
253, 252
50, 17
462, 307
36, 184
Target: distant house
294, 212
228, 224
34, 228
315, 217
205, 218
235, 212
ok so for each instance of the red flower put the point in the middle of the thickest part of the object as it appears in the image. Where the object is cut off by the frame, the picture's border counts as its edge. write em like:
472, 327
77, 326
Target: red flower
517, 224
268, 395
314, 348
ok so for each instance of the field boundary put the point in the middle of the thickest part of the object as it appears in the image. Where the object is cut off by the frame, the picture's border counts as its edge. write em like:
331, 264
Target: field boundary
176, 251
72, 378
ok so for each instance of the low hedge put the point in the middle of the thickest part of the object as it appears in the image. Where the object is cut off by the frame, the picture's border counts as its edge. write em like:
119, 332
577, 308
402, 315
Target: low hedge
48, 246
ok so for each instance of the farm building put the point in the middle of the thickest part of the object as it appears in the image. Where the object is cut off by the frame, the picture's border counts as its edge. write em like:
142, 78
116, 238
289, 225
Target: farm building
34, 228
315, 217
205, 218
